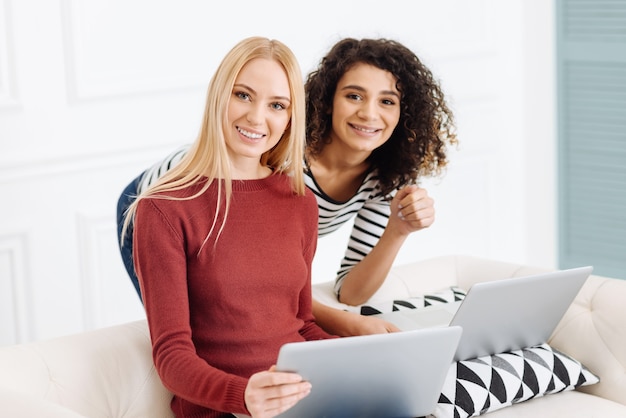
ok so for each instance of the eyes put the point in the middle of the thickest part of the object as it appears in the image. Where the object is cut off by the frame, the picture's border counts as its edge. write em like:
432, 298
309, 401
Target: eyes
386, 101
247, 97
278, 106
243, 96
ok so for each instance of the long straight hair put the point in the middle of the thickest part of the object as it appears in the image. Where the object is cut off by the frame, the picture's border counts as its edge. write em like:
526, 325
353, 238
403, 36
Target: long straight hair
208, 155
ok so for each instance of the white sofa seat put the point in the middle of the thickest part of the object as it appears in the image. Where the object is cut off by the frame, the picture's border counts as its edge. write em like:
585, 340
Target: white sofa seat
109, 372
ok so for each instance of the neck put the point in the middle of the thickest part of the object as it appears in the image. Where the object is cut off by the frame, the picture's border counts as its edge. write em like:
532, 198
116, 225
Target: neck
249, 171
334, 159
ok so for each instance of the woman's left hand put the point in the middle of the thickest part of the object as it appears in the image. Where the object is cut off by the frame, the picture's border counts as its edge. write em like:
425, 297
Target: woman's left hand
364, 325
412, 209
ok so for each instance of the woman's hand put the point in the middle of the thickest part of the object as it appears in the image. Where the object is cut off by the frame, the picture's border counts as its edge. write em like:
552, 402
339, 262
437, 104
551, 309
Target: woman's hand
348, 324
411, 209
270, 393
364, 325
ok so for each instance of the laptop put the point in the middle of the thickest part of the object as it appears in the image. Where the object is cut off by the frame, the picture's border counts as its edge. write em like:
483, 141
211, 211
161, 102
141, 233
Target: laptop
399, 374
501, 315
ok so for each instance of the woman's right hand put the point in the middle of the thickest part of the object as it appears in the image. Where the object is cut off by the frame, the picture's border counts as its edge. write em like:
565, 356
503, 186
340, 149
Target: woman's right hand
270, 393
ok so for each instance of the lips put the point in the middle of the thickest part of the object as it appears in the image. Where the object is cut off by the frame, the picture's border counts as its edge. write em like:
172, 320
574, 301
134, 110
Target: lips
249, 134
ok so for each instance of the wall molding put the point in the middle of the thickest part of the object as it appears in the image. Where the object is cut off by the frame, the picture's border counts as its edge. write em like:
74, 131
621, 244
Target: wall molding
8, 84
91, 76
107, 296
92, 232
15, 286
142, 157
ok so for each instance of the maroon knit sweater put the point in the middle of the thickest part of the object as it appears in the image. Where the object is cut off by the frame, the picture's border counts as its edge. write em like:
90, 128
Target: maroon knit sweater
219, 314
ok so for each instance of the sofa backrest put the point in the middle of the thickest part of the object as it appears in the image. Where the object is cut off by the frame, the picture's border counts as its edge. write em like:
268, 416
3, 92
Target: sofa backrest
103, 373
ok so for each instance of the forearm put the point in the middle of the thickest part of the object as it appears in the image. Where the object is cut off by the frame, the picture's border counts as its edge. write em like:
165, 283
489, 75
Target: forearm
366, 277
334, 321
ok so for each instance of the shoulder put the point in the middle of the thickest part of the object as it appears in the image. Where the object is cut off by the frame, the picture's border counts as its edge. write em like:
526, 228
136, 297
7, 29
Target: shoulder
310, 196
370, 189
169, 200
309, 204
285, 183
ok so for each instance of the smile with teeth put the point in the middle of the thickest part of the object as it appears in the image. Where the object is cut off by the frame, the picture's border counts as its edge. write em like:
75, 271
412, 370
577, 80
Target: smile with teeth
249, 134
363, 129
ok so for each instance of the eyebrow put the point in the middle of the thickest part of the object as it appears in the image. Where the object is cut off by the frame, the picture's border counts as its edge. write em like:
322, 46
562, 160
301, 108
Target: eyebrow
359, 88
247, 87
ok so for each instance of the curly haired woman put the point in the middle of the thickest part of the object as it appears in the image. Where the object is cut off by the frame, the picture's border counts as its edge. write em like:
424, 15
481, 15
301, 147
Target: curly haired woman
377, 122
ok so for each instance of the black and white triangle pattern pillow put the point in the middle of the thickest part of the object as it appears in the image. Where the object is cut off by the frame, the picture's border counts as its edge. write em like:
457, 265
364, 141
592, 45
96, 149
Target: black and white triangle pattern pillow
447, 295
486, 384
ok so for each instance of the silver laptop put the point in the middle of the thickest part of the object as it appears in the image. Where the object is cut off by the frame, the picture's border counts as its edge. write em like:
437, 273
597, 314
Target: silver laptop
501, 315
384, 375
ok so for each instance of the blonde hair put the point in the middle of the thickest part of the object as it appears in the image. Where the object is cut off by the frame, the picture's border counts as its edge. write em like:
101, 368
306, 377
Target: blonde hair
208, 155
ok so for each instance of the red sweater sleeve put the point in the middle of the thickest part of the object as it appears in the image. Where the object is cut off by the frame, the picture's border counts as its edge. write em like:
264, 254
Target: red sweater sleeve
310, 330
159, 254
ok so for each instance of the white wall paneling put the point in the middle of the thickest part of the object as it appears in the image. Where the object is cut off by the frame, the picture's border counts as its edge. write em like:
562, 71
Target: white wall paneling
8, 88
119, 47
107, 295
14, 289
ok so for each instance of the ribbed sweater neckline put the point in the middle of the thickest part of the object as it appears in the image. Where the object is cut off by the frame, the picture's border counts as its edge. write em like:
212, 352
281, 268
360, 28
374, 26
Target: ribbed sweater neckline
253, 185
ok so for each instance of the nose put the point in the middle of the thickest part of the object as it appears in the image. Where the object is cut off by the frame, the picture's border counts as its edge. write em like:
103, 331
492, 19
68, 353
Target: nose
255, 114
368, 110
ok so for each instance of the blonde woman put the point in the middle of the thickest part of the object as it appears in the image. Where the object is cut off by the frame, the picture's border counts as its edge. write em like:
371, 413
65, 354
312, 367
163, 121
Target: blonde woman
223, 244
377, 123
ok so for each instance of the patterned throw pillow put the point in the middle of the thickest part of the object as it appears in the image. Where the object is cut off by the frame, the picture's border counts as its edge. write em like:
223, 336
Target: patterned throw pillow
451, 294
485, 384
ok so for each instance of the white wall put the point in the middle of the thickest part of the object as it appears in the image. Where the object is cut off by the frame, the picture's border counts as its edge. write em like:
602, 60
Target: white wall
91, 93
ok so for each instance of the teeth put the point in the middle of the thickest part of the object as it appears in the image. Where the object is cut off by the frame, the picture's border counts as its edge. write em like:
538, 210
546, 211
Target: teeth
371, 131
250, 134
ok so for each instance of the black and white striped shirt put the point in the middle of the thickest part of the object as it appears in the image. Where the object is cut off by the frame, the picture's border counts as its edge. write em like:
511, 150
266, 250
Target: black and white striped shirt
368, 207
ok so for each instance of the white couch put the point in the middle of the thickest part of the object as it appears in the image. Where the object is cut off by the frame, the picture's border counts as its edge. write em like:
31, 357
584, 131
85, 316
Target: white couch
109, 372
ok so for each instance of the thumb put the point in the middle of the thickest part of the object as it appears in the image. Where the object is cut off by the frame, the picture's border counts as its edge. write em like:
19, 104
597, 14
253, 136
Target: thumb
403, 192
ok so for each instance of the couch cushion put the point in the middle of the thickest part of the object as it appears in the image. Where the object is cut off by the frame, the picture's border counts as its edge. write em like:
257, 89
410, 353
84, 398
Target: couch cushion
564, 405
447, 295
593, 331
474, 387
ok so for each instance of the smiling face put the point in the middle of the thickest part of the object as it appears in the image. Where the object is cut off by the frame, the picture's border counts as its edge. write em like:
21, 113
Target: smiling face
366, 109
258, 112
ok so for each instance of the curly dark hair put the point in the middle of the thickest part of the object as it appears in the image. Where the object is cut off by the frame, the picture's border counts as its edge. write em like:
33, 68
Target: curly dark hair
418, 144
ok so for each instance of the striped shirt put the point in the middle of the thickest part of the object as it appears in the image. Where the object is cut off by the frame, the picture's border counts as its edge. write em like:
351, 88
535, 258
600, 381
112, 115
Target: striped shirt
368, 207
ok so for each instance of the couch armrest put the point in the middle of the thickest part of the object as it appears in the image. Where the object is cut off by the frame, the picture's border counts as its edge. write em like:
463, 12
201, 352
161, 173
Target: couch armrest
593, 331
103, 373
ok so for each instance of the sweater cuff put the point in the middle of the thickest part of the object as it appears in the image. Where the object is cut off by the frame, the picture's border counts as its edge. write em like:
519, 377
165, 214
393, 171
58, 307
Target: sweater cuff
235, 396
